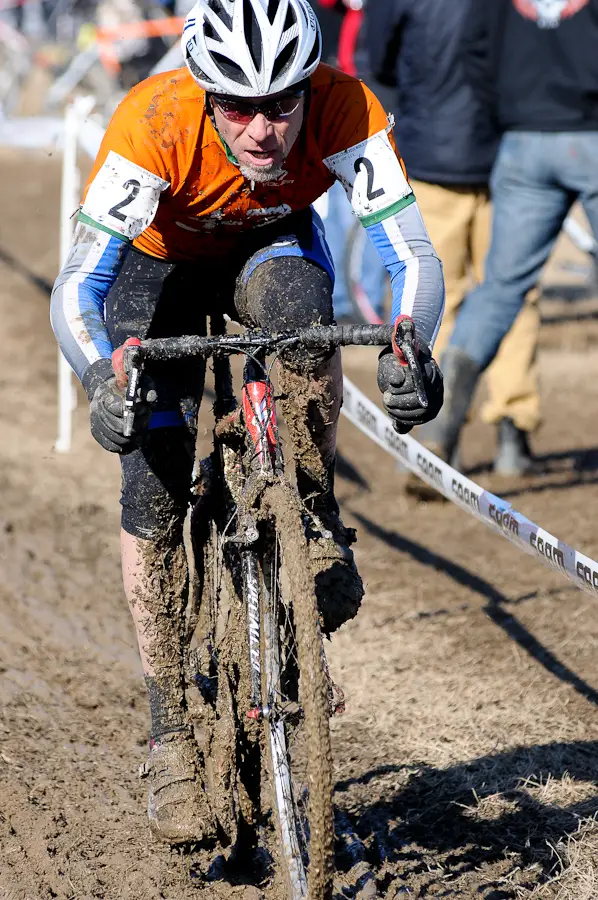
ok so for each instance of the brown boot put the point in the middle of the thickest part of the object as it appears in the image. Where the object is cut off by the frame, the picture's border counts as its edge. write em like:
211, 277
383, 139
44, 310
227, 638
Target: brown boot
177, 807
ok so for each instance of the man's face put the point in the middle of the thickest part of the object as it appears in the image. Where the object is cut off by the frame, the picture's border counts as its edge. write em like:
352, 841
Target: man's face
260, 140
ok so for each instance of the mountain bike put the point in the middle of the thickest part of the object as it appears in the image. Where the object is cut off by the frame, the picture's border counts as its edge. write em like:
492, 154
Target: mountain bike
259, 690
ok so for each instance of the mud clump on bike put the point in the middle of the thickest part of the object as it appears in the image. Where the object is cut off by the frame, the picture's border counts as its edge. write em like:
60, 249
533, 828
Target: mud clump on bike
311, 416
302, 408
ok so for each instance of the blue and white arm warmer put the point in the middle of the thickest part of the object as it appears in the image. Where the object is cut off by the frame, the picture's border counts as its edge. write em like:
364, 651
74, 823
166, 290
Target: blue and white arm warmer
414, 268
79, 294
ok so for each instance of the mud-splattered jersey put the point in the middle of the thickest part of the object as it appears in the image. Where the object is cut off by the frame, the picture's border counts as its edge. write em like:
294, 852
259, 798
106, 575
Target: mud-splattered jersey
165, 180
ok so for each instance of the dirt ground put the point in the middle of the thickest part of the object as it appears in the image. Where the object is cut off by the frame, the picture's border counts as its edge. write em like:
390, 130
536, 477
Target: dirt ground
467, 757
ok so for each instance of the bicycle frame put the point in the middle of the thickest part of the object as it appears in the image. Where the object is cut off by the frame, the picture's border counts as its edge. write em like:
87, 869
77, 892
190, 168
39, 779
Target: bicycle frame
257, 416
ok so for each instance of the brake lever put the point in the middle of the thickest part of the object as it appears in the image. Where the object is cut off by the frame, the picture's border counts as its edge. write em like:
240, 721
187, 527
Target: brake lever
133, 367
404, 344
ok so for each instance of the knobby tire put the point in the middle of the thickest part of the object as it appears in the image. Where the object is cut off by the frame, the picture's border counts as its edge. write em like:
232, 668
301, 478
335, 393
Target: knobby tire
293, 664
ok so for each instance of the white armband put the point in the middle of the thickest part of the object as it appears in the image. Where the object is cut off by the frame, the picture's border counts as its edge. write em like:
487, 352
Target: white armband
123, 198
373, 178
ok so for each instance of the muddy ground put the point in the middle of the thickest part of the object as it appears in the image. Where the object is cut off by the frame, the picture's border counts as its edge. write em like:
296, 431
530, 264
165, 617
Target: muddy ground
467, 759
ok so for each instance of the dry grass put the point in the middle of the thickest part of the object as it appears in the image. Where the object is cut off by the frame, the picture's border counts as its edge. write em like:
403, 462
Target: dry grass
513, 824
575, 867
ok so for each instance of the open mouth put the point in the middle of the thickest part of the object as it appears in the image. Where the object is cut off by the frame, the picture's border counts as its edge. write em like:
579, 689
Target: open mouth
261, 156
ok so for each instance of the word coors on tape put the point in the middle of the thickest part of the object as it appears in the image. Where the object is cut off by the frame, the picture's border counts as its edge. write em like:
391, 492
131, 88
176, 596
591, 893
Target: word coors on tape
494, 512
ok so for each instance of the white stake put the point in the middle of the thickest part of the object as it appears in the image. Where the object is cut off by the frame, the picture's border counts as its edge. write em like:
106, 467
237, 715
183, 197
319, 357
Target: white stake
69, 200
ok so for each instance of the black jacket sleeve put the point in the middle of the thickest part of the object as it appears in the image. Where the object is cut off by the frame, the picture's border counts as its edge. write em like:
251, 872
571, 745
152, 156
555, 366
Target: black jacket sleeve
383, 21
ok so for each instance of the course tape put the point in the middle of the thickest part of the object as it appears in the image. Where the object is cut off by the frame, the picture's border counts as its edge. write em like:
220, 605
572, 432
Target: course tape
494, 512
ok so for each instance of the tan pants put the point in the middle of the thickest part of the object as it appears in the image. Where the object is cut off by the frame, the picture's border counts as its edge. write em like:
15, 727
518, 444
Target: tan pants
458, 219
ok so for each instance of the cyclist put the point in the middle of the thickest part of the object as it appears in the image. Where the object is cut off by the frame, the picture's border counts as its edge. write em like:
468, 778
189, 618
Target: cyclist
199, 201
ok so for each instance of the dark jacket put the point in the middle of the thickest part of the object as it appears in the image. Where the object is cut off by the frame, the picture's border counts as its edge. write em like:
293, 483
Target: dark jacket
444, 133
330, 24
535, 62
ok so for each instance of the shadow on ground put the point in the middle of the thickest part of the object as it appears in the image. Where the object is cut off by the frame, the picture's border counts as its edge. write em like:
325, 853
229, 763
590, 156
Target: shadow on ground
576, 466
494, 608
431, 828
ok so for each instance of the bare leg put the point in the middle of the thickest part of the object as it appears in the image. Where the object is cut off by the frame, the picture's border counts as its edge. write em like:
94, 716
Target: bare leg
156, 582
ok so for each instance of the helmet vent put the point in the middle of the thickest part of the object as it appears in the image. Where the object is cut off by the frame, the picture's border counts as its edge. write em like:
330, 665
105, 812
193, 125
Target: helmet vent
290, 19
315, 53
284, 58
231, 69
220, 11
195, 70
210, 33
272, 10
252, 34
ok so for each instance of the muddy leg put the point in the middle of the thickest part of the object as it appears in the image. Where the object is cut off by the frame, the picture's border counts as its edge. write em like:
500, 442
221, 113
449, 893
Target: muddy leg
311, 403
156, 585
288, 293
155, 498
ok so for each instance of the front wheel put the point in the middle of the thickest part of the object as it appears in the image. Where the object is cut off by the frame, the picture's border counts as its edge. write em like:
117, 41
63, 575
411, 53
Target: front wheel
296, 696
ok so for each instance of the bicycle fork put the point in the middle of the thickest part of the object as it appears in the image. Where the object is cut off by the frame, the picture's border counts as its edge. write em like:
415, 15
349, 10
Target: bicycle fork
260, 419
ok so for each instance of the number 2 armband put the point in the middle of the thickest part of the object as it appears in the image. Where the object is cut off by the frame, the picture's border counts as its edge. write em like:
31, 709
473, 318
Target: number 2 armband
373, 179
122, 198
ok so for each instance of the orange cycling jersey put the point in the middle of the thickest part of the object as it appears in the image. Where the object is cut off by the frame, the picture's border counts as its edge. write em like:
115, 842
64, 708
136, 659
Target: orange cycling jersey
164, 179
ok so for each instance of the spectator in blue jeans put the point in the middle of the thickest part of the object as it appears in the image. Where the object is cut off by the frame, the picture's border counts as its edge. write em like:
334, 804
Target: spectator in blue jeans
536, 64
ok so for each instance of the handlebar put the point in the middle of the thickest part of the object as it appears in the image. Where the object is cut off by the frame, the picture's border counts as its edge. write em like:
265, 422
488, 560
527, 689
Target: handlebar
318, 337
314, 338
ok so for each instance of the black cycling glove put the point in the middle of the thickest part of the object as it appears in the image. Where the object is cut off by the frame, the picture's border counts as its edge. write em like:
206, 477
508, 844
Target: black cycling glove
398, 391
106, 417
107, 409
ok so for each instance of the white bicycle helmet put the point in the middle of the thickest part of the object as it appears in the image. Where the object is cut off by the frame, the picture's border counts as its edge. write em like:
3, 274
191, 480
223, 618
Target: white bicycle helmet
251, 48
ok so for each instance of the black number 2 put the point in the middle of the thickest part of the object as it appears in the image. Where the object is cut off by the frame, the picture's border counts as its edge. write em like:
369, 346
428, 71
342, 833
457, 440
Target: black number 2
371, 193
135, 186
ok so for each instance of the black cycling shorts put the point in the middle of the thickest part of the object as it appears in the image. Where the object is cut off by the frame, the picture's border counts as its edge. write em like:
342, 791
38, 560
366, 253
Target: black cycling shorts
281, 277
